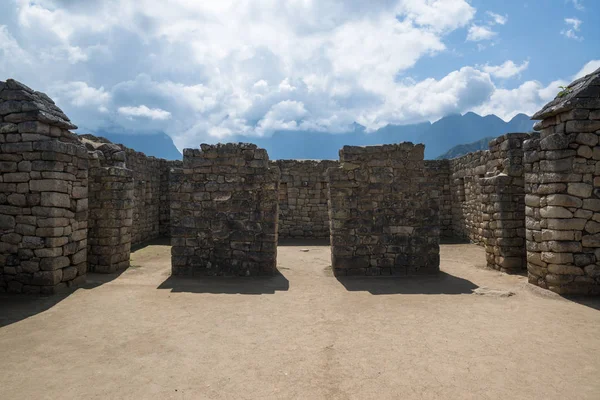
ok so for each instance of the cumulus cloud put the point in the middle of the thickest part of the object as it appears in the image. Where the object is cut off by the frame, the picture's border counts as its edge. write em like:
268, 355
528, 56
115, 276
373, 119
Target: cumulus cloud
497, 19
578, 4
575, 26
588, 68
478, 33
506, 70
209, 70
79, 94
144, 112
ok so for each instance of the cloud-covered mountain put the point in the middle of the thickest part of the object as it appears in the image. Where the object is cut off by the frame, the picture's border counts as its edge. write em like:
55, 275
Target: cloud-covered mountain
438, 137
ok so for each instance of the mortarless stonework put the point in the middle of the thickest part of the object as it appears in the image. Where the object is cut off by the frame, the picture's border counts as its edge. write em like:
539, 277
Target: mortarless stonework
303, 198
43, 194
383, 220
151, 211
488, 201
563, 192
224, 212
437, 175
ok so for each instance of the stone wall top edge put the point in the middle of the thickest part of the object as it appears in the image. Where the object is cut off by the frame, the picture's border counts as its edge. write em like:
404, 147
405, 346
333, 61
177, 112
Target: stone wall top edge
405, 146
102, 140
30, 105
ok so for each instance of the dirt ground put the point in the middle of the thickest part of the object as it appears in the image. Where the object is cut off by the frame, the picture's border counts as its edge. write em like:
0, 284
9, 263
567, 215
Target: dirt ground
301, 335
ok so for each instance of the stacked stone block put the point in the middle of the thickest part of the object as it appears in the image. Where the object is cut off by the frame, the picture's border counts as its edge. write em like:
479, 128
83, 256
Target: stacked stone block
164, 221
383, 220
150, 197
110, 217
224, 212
437, 174
563, 192
303, 198
503, 199
467, 206
43, 194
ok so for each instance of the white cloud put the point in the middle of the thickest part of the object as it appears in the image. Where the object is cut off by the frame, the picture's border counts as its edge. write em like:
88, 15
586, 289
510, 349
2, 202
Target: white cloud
228, 68
478, 33
588, 68
144, 112
507, 70
571, 33
440, 15
79, 94
578, 4
528, 98
497, 18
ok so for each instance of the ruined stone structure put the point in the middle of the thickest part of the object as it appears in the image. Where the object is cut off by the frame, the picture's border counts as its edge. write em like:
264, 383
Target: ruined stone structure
383, 221
303, 198
43, 194
437, 176
563, 192
71, 204
224, 212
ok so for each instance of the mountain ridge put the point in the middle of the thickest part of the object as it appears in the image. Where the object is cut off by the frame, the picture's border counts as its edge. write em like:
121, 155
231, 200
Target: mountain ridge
439, 137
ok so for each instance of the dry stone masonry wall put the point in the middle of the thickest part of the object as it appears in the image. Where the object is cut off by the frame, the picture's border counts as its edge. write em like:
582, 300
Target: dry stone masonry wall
437, 174
43, 194
563, 192
224, 212
383, 221
69, 203
303, 198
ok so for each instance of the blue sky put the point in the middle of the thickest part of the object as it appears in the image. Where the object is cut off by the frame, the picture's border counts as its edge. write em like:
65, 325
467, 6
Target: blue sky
205, 71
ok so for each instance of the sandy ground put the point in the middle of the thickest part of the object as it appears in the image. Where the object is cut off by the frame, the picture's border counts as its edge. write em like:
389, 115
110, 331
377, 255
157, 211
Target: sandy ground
301, 335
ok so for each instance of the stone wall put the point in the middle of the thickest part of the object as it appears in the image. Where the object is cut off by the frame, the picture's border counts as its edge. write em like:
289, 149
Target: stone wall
488, 205
437, 175
563, 192
467, 207
383, 220
110, 217
303, 198
150, 193
224, 212
43, 194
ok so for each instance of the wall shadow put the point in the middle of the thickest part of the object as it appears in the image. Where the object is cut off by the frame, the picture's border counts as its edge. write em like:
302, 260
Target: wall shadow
253, 285
588, 301
159, 241
453, 240
441, 283
17, 307
303, 242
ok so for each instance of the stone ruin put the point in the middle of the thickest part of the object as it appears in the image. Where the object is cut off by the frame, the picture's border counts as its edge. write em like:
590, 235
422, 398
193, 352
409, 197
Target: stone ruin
224, 212
70, 203
384, 220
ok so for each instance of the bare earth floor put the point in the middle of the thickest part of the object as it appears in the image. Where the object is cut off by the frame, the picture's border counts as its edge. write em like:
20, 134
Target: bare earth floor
301, 335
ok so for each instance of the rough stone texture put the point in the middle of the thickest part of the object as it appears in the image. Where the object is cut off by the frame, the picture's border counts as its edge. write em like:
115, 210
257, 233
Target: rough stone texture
562, 173
43, 194
110, 217
150, 195
437, 174
384, 221
488, 205
303, 198
224, 212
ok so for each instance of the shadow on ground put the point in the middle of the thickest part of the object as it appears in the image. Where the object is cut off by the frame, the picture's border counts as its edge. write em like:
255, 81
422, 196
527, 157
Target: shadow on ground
17, 307
591, 302
303, 242
441, 283
227, 285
